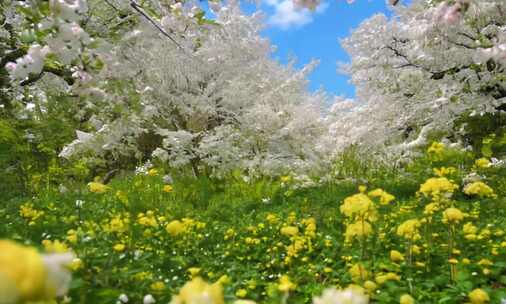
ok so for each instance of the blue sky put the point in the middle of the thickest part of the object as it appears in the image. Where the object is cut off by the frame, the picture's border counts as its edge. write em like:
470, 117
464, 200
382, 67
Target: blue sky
309, 35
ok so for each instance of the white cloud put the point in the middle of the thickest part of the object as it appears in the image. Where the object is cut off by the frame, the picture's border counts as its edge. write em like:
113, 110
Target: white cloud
287, 15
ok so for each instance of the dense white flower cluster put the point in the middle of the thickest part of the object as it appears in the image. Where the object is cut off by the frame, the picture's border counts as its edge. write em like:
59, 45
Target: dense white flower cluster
214, 101
423, 69
31, 63
65, 41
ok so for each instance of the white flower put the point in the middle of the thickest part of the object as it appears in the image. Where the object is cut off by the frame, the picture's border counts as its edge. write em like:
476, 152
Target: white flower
350, 295
123, 298
148, 299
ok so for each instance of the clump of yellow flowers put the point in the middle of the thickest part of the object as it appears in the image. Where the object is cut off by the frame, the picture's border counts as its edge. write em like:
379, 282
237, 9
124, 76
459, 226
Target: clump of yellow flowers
97, 187
479, 189
438, 187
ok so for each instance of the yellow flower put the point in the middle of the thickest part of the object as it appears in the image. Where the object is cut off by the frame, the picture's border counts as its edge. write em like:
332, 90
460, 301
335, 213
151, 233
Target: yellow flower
479, 189
370, 286
358, 273
406, 299
485, 262
358, 205
452, 215
285, 284
158, 286
22, 273
290, 231
436, 150
444, 171
55, 246
97, 187
29, 213
153, 172
453, 261
198, 291
119, 247
194, 271
241, 293
358, 229
175, 227
167, 188
437, 186
224, 279
285, 179
431, 208
396, 256
385, 197
482, 163
390, 276
76, 264
478, 296
469, 228
408, 229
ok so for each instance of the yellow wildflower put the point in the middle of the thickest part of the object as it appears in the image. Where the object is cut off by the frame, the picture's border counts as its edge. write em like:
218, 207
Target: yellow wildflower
437, 186
408, 229
167, 188
358, 229
55, 246
478, 296
452, 215
194, 271
175, 227
158, 286
290, 231
479, 189
153, 172
241, 293
482, 163
358, 273
385, 197
285, 284
97, 187
390, 276
396, 256
119, 247
436, 150
198, 291
358, 205
406, 299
